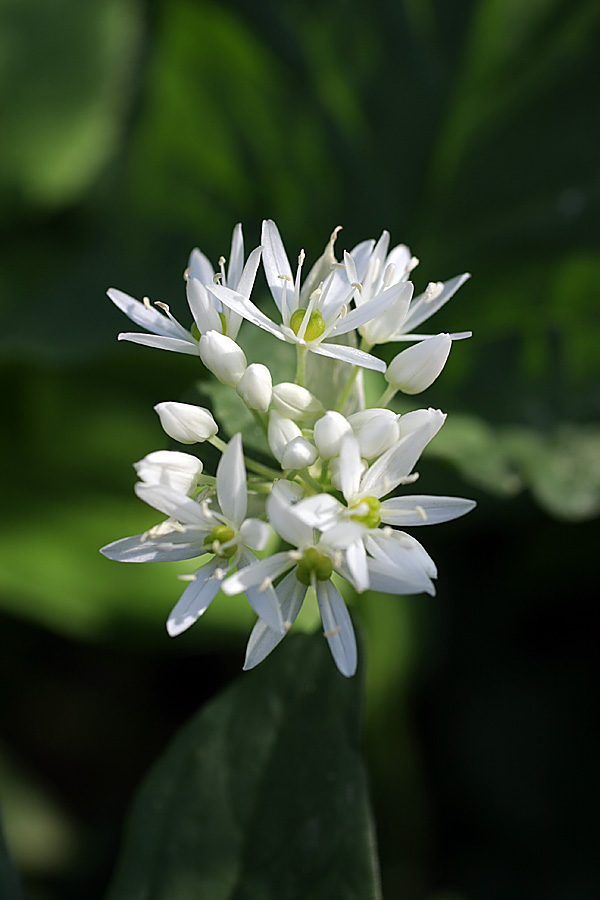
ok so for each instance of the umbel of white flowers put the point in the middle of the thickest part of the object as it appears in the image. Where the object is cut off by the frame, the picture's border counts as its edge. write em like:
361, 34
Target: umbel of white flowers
367, 456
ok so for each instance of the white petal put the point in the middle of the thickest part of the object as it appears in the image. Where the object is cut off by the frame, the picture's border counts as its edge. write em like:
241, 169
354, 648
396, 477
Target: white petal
263, 639
423, 510
140, 548
285, 522
203, 309
236, 257
201, 266
388, 471
403, 552
146, 316
231, 482
356, 559
262, 598
255, 533
361, 255
390, 579
196, 598
350, 467
161, 343
320, 511
246, 282
174, 504
421, 309
351, 355
337, 626
374, 308
264, 569
275, 261
245, 308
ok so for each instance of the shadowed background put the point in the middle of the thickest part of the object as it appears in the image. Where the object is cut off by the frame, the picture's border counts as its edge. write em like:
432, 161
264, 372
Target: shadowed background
132, 132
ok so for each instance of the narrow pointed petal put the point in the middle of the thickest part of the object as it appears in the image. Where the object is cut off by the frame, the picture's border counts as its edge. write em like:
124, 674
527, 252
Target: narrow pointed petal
376, 307
337, 627
350, 355
140, 548
201, 266
263, 639
196, 598
361, 255
423, 510
236, 257
255, 533
248, 276
390, 579
275, 261
320, 511
387, 472
356, 559
263, 598
245, 308
146, 316
350, 467
231, 482
404, 552
264, 569
205, 315
162, 343
422, 308
285, 522
175, 505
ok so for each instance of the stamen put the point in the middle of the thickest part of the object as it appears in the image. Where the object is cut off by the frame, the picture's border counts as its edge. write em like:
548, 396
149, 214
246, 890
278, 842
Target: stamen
219, 574
422, 513
191, 577
412, 264
389, 274
287, 625
409, 479
146, 302
218, 278
187, 273
295, 554
265, 584
432, 291
332, 632
162, 306
301, 258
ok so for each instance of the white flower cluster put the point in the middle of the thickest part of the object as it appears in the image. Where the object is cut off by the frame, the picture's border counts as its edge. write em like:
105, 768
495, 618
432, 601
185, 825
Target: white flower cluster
330, 496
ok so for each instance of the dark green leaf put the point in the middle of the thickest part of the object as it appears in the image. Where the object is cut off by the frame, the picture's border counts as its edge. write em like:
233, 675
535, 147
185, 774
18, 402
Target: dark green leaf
263, 795
10, 888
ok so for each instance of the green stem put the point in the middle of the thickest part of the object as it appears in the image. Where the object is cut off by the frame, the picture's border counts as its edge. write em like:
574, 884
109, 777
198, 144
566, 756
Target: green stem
259, 419
389, 393
251, 464
301, 353
347, 389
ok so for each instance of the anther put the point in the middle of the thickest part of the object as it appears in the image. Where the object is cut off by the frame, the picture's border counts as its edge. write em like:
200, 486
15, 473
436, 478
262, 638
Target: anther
146, 302
265, 585
332, 632
187, 273
219, 574
191, 577
217, 278
163, 306
421, 512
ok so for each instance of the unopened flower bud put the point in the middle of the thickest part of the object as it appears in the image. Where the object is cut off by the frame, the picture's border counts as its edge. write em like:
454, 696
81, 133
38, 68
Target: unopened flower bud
415, 369
171, 467
280, 433
376, 431
186, 423
298, 454
296, 402
223, 357
255, 387
328, 433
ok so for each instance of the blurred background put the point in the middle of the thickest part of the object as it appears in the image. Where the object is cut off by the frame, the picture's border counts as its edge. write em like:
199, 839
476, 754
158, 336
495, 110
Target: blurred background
133, 131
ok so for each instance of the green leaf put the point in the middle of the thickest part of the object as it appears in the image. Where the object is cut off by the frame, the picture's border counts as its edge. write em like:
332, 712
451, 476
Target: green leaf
10, 888
262, 795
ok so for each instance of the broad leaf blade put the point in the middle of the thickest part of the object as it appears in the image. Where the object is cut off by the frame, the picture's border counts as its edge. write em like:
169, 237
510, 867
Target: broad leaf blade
10, 889
262, 795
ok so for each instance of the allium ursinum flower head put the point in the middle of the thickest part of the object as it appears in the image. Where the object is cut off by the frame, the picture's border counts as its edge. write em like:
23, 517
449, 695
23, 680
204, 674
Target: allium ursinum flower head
177, 470
379, 274
310, 564
412, 567
198, 526
207, 312
312, 312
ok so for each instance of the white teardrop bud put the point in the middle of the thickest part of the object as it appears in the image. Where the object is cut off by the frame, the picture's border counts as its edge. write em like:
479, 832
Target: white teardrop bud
416, 368
255, 387
186, 423
223, 357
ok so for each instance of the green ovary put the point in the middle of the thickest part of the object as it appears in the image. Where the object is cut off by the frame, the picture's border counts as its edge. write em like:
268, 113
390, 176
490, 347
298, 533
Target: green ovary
315, 327
196, 331
371, 519
313, 562
221, 534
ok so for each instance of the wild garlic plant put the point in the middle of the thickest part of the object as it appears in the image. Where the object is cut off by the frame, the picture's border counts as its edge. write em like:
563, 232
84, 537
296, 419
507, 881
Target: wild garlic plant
338, 492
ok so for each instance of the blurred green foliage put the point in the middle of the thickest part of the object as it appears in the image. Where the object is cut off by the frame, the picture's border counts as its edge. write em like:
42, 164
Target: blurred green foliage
132, 131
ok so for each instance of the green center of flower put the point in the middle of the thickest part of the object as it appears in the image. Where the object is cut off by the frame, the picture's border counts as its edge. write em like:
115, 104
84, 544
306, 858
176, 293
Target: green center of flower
196, 331
313, 562
315, 327
221, 534
372, 518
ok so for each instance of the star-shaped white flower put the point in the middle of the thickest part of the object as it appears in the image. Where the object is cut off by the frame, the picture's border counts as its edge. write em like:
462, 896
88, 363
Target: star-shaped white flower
207, 312
312, 312
382, 274
195, 528
309, 564
363, 490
